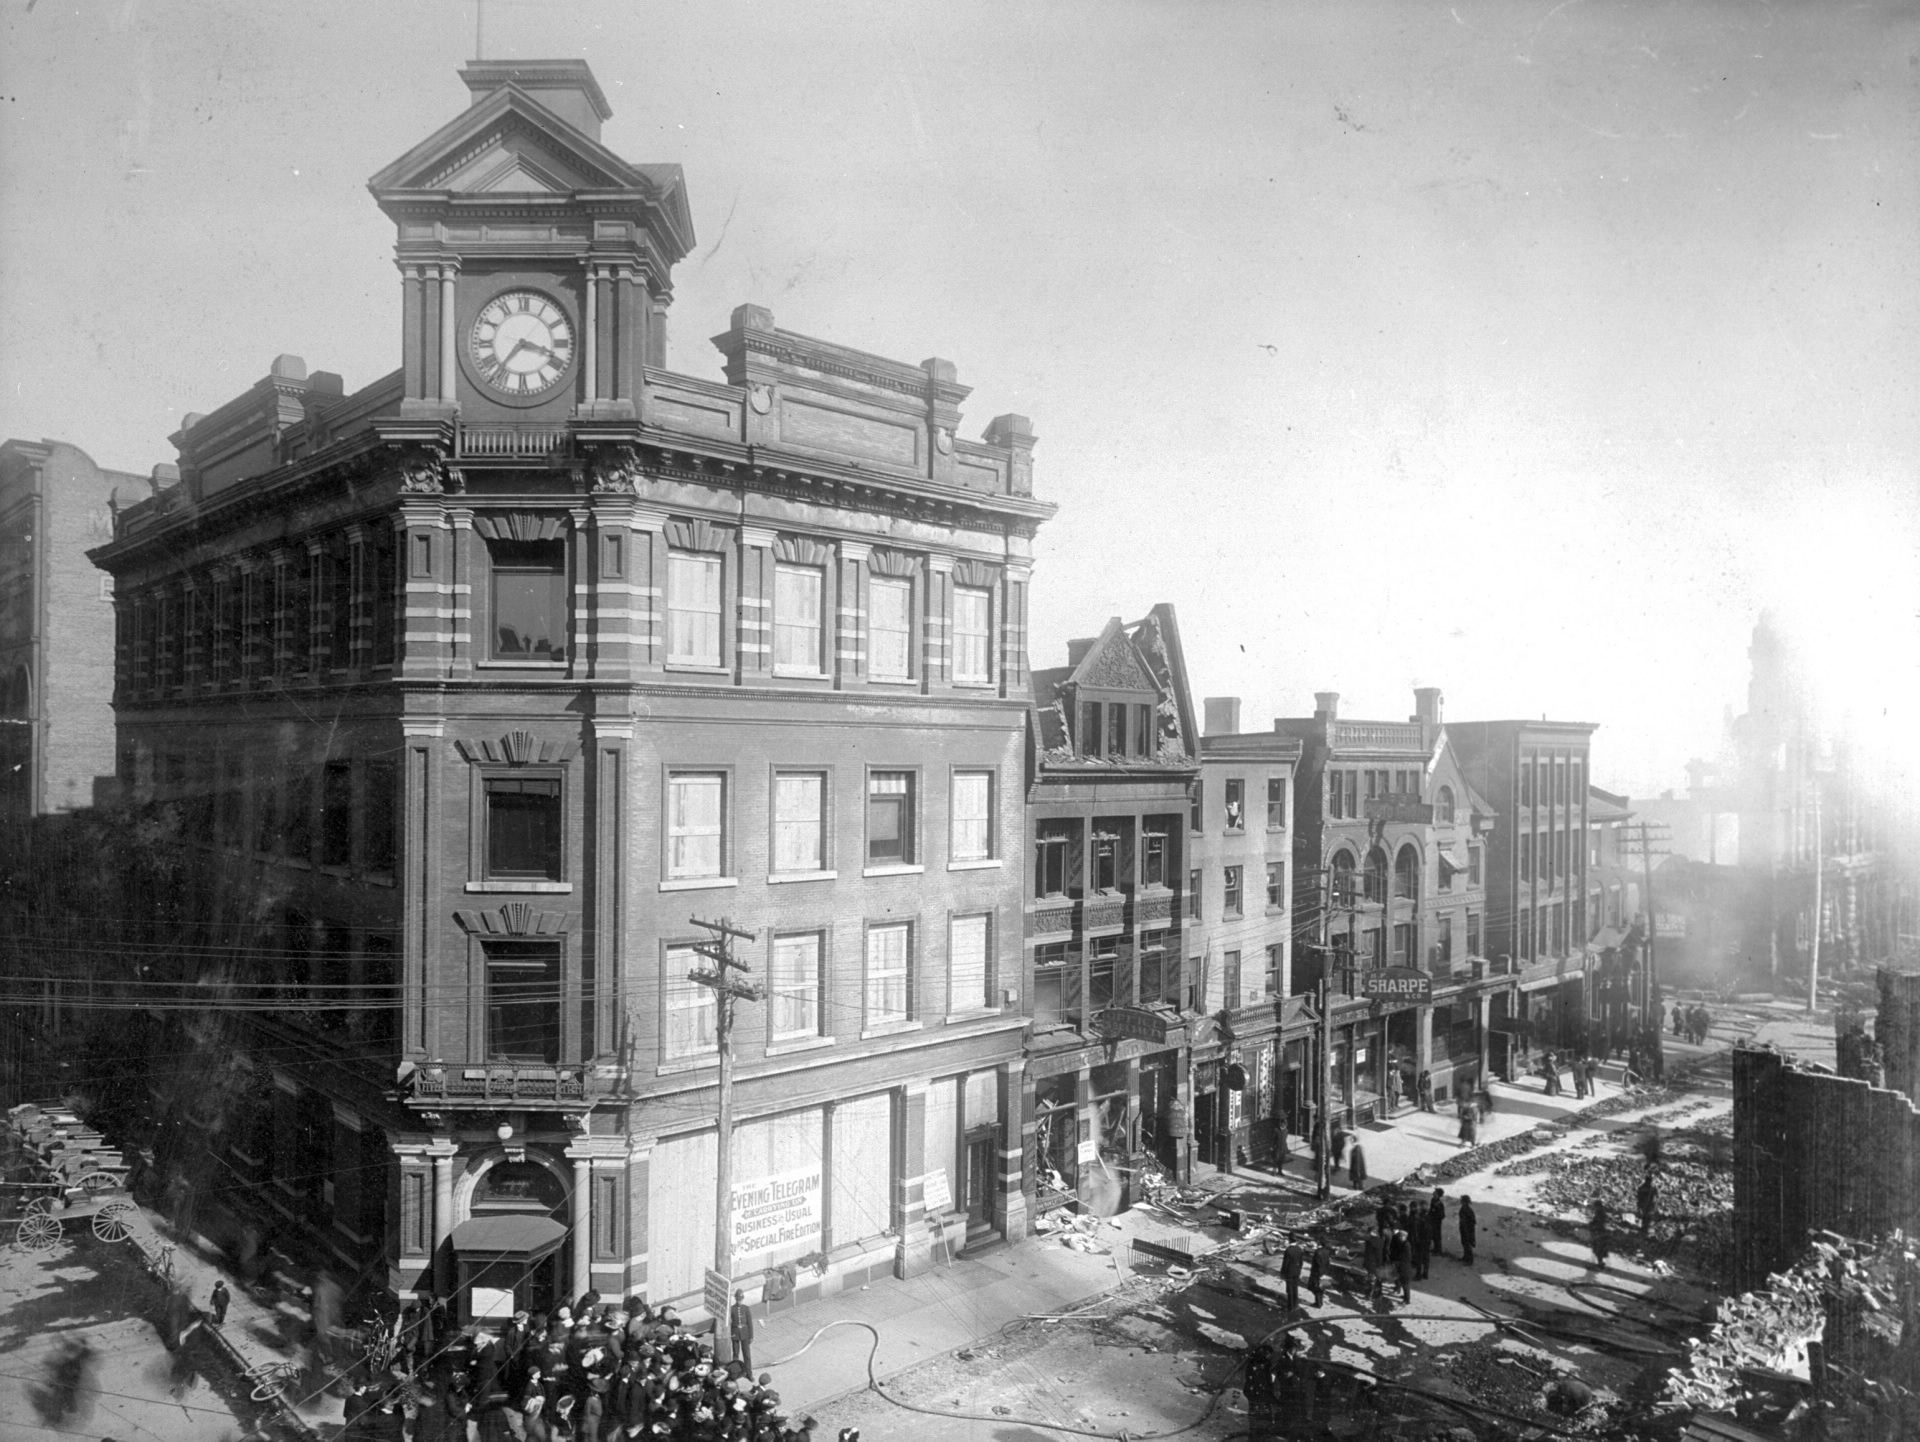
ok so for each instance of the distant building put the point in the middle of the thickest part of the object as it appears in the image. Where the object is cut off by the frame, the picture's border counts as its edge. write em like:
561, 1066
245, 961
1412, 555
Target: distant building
1242, 936
1117, 1003
56, 625
1390, 856
481, 685
1534, 775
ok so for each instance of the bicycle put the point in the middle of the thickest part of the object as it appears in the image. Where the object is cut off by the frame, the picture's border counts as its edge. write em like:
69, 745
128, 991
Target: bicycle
269, 1379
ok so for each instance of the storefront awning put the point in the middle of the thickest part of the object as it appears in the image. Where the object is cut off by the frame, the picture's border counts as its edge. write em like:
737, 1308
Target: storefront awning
510, 1236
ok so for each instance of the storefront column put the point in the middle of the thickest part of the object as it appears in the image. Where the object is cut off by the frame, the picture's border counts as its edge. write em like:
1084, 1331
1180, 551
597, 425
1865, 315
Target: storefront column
914, 1254
1015, 1146
580, 1233
442, 1153
1422, 1044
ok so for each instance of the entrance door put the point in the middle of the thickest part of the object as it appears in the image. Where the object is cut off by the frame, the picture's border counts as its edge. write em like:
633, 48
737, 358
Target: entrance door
980, 1180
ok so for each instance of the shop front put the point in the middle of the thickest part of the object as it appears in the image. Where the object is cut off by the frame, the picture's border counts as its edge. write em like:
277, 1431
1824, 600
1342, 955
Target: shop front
509, 1252
1100, 1114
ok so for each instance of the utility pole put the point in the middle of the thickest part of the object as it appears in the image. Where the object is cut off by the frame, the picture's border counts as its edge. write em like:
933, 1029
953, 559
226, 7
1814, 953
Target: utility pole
726, 991
1323, 1121
1653, 964
1819, 898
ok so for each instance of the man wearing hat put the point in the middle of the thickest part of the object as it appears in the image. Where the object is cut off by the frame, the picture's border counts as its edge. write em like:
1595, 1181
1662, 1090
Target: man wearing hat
740, 1328
1291, 1262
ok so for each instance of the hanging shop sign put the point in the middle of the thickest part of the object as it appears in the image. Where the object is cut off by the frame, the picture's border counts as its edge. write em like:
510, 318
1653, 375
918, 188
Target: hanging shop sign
1397, 983
1400, 808
1139, 1023
774, 1211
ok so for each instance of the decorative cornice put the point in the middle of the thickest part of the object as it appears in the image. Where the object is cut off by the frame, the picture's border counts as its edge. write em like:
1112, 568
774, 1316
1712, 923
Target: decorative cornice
515, 918
519, 748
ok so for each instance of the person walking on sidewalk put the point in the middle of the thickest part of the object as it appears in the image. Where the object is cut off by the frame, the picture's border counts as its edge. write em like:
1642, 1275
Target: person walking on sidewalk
1643, 1199
1319, 1270
1469, 1229
1601, 1239
217, 1301
1400, 1250
1580, 1077
1357, 1168
1436, 1220
1424, 1086
1373, 1256
1290, 1263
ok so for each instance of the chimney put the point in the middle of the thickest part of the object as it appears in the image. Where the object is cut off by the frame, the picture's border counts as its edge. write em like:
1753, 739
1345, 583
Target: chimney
1326, 705
1223, 716
1426, 704
566, 87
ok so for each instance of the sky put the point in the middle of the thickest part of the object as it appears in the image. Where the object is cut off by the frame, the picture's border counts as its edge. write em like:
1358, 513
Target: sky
1527, 350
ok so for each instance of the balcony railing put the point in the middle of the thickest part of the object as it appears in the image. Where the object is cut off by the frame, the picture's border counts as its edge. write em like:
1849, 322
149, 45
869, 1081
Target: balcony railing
449, 1083
510, 440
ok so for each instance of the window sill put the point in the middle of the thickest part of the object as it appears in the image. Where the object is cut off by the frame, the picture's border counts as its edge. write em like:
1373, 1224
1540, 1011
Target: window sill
890, 1028
902, 870
797, 1044
378, 878
700, 883
687, 1064
956, 1018
328, 869
703, 668
1276, 911
780, 878
980, 863
496, 665
787, 673
551, 888
960, 685
893, 680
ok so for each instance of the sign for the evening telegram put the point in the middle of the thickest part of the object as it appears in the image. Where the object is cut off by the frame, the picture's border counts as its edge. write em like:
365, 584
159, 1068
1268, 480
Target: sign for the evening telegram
774, 1211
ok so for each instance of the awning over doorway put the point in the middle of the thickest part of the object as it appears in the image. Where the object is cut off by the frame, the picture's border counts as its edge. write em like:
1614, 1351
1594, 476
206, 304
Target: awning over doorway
509, 1236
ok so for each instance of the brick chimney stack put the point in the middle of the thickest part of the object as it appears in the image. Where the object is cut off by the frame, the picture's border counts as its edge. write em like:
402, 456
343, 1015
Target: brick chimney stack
1426, 705
1326, 705
1223, 716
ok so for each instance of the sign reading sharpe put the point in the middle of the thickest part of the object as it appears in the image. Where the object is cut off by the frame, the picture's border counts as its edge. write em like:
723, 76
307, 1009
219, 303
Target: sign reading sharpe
1396, 983
1140, 1023
1398, 807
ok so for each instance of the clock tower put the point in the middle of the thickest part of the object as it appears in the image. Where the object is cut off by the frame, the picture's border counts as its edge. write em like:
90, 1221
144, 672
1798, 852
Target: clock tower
535, 263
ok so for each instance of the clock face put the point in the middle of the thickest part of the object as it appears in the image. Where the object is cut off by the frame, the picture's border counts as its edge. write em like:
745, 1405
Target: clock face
522, 343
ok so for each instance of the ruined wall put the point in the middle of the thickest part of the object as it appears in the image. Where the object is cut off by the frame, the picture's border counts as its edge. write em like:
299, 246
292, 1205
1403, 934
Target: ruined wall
1812, 1150
1897, 1029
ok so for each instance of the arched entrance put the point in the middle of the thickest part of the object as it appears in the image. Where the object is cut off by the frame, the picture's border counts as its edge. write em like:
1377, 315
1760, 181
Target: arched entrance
507, 1244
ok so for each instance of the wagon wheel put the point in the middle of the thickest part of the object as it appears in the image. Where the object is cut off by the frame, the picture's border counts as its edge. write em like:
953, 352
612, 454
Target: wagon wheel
38, 1232
98, 1182
109, 1223
43, 1204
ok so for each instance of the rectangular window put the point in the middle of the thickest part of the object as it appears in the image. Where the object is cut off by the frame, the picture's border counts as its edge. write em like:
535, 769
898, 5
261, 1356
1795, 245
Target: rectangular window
1526, 858
1446, 941
889, 629
693, 609
1474, 940
529, 621
1560, 783
340, 609
1276, 803
889, 974
1052, 855
385, 586
1236, 804
1593, 846
969, 976
1336, 795
1193, 894
1373, 785
1153, 858
1143, 731
971, 820
336, 814
1056, 986
690, 1021
1196, 808
381, 829
1103, 961
1526, 781
523, 828
972, 636
1116, 729
1403, 944
1106, 861
523, 1001
796, 619
1231, 906
1153, 967
799, 821
1230, 975
1276, 977
795, 1003
1092, 720
890, 818
1276, 885
1473, 865
696, 825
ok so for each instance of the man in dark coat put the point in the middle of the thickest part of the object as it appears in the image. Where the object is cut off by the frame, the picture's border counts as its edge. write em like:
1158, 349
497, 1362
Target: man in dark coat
1318, 1272
1420, 1239
1290, 1264
1469, 1226
1357, 1168
1400, 1252
1425, 1089
217, 1300
1643, 1198
1598, 1229
740, 1328
1259, 1380
1373, 1256
1437, 1222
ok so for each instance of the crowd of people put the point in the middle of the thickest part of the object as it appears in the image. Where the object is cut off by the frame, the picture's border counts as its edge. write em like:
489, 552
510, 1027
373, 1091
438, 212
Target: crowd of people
592, 1372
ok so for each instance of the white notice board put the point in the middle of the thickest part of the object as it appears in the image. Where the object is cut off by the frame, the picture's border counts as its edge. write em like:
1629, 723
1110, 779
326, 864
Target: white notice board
939, 1195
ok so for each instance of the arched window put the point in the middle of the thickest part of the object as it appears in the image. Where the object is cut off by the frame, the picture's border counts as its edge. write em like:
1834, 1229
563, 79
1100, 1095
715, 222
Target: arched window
1343, 878
1376, 876
1443, 806
1406, 874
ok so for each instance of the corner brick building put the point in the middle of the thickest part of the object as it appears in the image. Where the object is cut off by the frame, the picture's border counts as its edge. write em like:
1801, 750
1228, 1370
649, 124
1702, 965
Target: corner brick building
479, 684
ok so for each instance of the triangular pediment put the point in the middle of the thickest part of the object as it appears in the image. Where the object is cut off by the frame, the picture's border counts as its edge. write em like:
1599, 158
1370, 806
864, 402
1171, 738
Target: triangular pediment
509, 137
1111, 665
